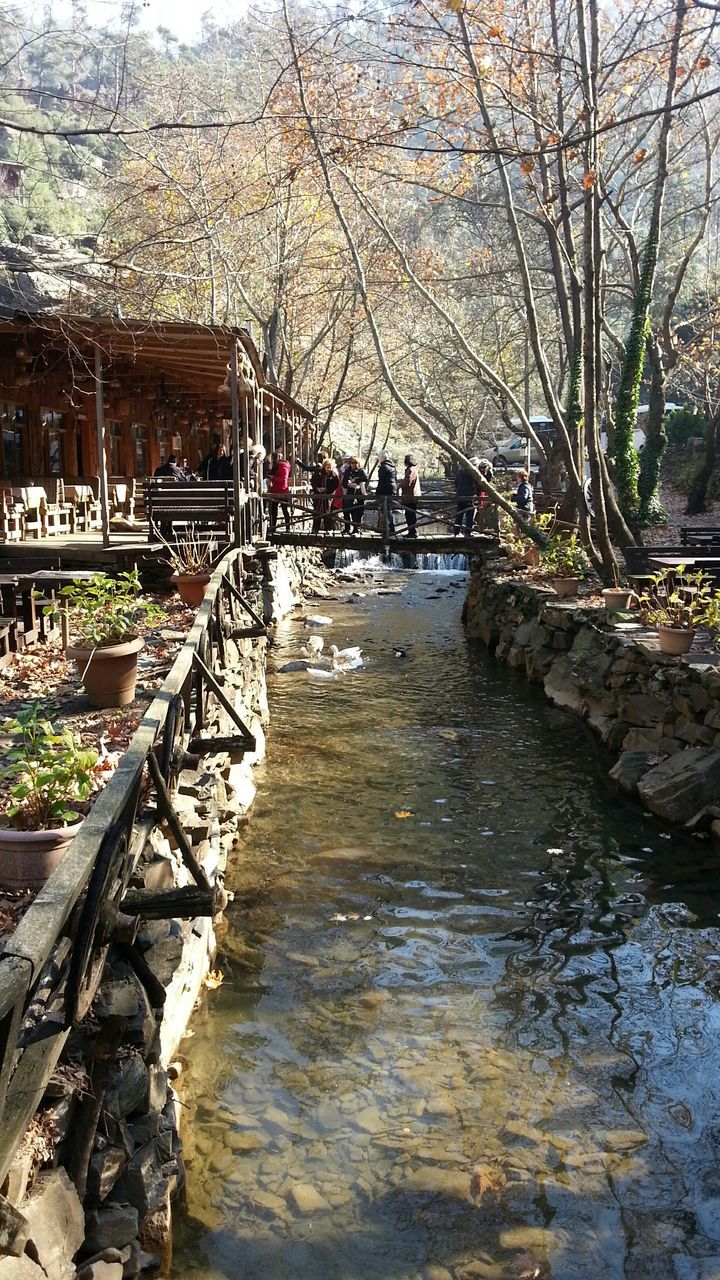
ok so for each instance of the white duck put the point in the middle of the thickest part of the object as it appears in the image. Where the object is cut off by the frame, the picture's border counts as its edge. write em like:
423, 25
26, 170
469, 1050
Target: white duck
313, 647
345, 659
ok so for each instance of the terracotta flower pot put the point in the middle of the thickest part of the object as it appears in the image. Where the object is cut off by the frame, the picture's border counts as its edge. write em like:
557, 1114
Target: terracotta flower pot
616, 598
565, 586
110, 674
28, 857
191, 587
675, 640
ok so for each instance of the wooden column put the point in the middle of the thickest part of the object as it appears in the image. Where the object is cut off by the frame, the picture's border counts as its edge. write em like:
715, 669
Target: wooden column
235, 412
102, 456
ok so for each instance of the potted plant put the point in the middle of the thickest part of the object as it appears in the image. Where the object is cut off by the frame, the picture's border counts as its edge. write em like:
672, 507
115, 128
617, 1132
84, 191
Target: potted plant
617, 597
676, 603
105, 615
192, 559
566, 563
51, 776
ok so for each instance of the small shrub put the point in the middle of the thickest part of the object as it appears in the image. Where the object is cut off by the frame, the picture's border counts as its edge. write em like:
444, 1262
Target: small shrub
49, 770
676, 598
105, 610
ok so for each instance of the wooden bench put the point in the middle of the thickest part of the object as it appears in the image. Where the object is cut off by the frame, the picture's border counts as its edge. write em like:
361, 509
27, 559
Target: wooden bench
637, 560
700, 535
173, 507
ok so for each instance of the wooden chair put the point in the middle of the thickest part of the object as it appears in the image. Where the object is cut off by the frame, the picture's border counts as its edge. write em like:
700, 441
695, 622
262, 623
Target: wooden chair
85, 507
122, 498
11, 518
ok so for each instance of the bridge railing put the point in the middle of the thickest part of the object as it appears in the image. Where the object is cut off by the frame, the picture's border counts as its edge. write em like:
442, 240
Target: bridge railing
385, 517
51, 966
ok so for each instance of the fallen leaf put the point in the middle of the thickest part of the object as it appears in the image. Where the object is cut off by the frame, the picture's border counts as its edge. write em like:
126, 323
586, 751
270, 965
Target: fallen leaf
213, 980
404, 813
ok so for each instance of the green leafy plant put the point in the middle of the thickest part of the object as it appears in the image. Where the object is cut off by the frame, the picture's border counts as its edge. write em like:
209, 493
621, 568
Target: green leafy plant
105, 610
49, 770
564, 557
711, 617
191, 553
514, 541
676, 598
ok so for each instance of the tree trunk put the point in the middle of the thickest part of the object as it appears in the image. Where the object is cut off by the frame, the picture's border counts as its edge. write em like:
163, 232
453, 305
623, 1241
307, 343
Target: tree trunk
697, 496
651, 510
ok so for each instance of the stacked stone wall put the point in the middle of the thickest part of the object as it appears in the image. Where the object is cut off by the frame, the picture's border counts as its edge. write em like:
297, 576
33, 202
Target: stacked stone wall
660, 714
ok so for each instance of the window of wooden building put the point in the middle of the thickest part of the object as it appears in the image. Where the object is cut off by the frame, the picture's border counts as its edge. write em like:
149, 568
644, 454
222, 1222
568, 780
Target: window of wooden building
139, 436
53, 424
12, 419
114, 436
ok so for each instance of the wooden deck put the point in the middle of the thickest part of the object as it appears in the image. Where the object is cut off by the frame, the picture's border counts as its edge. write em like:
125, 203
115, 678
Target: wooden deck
81, 550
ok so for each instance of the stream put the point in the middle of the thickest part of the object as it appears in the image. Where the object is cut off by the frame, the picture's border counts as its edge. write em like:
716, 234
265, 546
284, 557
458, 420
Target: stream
468, 1024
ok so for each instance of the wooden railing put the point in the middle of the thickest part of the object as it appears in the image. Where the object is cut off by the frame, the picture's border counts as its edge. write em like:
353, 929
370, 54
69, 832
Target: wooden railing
51, 965
385, 517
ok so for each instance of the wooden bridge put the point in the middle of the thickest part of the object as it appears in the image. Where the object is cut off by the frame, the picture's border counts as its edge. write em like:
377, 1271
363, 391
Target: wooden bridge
387, 527
377, 544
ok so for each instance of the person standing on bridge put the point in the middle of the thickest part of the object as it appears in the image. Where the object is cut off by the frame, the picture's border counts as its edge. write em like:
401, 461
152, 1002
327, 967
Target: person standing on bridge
317, 486
386, 492
410, 492
465, 493
355, 487
331, 482
279, 489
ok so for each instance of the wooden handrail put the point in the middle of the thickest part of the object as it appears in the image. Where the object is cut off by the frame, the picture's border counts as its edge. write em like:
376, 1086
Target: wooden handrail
25, 1069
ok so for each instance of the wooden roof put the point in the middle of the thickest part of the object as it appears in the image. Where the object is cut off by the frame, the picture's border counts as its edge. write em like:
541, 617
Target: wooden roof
189, 357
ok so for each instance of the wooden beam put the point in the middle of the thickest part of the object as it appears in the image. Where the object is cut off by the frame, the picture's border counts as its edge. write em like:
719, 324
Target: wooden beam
167, 810
224, 701
169, 904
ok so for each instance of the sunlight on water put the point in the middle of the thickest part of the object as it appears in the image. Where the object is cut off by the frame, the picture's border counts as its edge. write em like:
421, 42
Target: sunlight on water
468, 1026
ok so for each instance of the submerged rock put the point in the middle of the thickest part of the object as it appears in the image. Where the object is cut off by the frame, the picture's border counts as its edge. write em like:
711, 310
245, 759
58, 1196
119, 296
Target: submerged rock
307, 1199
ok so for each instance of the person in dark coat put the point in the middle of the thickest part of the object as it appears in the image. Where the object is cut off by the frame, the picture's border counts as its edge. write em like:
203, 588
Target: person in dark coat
524, 498
465, 493
386, 491
318, 486
217, 465
169, 470
355, 487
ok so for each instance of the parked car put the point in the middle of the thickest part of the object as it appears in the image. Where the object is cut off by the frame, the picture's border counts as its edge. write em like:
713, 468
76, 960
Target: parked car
513, 451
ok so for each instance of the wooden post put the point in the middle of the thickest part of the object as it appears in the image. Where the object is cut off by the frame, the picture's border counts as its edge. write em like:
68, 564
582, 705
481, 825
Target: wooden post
102, 459
245, 444
235, 412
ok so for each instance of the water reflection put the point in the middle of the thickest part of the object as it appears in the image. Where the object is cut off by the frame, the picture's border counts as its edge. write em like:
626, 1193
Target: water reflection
476, 1041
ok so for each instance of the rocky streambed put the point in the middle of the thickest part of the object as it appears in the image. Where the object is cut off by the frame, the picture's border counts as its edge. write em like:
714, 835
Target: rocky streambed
466, 1023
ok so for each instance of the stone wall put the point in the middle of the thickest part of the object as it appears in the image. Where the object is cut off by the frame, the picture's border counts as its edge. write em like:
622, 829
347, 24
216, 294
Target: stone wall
660, 714
114, 1097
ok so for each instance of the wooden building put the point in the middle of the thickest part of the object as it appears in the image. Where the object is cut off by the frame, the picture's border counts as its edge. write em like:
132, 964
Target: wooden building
68, 383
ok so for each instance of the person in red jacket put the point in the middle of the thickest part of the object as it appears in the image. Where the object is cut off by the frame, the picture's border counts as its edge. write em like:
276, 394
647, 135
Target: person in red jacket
279, 489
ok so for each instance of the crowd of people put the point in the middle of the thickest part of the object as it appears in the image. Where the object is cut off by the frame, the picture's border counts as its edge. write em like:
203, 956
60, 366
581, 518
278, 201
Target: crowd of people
339, 490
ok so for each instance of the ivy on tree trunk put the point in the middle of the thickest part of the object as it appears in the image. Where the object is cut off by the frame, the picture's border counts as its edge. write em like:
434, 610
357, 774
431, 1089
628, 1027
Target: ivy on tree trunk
625, 455
651, 508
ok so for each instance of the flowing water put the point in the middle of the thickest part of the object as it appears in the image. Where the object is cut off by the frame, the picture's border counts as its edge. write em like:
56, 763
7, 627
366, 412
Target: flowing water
469, 1019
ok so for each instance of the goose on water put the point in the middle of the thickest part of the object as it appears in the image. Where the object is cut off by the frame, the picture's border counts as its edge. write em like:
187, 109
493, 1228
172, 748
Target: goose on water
345, 659
313, 646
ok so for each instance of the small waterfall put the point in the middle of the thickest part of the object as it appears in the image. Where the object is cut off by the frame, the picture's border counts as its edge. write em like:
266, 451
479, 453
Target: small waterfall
427, 561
